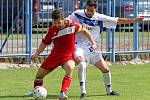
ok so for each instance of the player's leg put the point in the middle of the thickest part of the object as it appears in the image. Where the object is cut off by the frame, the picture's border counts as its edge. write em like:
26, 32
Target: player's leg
42, 72
82, 78
99, 62
80, 61
68, 67
101, 65
38, 79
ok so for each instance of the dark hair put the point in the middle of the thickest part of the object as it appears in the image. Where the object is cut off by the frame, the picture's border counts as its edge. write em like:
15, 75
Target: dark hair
57, 14
91, 3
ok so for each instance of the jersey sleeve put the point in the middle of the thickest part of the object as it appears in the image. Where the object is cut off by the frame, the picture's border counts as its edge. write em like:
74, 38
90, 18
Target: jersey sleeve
72, 16
78, 28
48, 38
108, 22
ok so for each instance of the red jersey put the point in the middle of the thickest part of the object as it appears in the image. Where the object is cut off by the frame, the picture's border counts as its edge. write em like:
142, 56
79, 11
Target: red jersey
64, 44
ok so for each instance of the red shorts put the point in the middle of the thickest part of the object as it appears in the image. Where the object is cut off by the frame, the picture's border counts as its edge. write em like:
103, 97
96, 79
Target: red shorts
53, 61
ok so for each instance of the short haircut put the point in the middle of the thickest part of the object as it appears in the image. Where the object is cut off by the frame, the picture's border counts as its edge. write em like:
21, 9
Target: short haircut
91, 3
57, 14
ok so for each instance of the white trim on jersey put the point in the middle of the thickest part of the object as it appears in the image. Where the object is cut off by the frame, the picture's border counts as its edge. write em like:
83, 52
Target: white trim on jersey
65, 31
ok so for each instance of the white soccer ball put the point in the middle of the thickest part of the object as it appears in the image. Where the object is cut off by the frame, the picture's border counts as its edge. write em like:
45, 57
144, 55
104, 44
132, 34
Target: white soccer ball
39, 93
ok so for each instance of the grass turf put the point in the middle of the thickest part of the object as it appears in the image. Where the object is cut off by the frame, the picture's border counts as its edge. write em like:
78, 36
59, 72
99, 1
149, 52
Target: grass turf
131, 81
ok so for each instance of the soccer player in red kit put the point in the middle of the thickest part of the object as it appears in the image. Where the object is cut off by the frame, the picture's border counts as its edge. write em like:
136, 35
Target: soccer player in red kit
62, 34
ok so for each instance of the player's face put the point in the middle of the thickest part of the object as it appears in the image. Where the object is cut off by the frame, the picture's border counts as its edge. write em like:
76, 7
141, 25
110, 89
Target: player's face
59, 23
90, 10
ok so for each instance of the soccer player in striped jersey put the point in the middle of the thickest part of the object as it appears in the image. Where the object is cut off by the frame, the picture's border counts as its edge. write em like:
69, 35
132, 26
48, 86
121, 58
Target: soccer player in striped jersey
62, 34
94, 22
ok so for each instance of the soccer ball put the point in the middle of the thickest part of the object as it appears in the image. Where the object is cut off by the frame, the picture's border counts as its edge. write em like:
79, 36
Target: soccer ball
39, 93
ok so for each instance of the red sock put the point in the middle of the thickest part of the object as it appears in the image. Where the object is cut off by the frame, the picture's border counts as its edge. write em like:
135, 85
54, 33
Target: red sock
66, 83
38, 83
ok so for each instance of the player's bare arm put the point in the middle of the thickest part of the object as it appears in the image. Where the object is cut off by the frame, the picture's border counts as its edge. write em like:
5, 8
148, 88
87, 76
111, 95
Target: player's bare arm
38, 51
88, 35
128, 21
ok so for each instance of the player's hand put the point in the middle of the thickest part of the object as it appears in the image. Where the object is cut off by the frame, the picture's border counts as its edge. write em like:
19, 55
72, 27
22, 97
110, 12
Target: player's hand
94, 46
139, 19
33, 56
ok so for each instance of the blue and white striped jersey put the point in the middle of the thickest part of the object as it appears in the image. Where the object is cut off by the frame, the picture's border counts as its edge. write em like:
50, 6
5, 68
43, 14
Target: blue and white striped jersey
94, 25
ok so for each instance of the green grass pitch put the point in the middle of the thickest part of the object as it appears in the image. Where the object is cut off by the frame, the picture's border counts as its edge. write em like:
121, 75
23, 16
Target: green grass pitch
131, 81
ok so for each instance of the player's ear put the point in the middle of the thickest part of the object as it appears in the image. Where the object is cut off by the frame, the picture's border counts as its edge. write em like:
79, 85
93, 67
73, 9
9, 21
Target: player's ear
68, 22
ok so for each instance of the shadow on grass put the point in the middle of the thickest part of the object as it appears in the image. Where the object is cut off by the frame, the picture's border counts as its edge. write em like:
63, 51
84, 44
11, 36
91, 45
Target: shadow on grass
48, 97
25, 98
12, 96
96, 95
56, 96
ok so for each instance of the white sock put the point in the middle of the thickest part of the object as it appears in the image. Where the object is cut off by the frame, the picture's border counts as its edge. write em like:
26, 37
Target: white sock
82, 76
107, 80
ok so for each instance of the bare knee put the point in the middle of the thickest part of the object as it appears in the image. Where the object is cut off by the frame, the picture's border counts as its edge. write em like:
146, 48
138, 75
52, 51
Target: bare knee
69, 67
101, 65
69, 71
